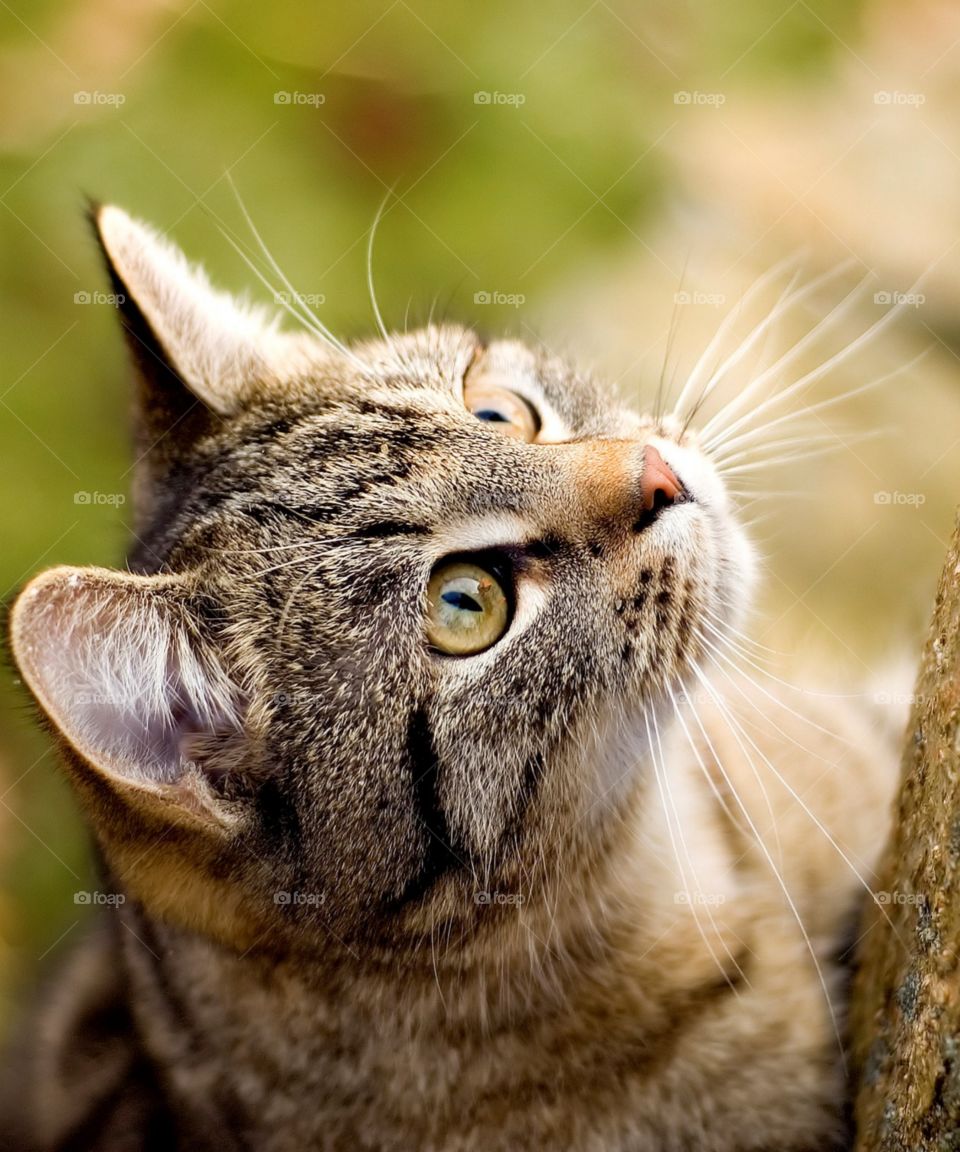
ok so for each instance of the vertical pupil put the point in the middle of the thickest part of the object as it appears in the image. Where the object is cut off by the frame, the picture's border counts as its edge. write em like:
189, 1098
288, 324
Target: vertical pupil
492, 415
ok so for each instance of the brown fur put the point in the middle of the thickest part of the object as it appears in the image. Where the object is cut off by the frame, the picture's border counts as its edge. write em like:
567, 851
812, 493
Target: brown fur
540, 897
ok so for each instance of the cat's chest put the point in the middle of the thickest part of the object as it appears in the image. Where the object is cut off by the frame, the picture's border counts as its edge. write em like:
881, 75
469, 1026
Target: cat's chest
293, 1071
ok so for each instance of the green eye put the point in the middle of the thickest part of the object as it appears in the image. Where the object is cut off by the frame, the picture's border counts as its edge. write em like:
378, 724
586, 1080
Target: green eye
467, 608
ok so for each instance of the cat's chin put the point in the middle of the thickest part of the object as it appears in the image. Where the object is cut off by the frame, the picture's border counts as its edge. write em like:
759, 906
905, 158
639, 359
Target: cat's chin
612, 763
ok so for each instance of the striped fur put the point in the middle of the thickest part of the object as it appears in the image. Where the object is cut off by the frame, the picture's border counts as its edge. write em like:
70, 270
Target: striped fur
382, 898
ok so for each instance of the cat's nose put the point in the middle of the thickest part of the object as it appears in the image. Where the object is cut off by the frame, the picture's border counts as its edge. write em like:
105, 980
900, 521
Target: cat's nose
620, 486
659, 487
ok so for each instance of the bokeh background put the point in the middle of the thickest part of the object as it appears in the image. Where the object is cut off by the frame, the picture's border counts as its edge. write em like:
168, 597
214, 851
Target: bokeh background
605, 176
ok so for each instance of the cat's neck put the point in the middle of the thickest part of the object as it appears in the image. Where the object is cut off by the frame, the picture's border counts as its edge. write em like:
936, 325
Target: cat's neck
616, 971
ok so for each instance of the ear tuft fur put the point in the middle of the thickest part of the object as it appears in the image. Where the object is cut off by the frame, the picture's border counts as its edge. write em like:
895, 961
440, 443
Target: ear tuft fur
121, 670
218, 347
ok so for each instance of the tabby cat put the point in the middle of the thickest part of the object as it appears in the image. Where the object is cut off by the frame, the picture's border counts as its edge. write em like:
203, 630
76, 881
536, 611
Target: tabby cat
433, 809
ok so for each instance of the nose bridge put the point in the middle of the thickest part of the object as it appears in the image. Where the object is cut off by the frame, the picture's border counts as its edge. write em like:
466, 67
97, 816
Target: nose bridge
618, 485
605, 481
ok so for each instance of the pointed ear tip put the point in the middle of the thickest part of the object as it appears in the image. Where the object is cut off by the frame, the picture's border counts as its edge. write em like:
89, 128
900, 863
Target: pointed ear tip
108, 219
33, 591
108, 224
37, 594
92, 208
25, 626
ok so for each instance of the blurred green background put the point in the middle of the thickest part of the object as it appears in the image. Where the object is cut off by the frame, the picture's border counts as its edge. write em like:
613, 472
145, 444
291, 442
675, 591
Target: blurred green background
601, 172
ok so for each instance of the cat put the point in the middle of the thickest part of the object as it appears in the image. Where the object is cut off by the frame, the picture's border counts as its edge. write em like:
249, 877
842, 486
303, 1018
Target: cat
436, 810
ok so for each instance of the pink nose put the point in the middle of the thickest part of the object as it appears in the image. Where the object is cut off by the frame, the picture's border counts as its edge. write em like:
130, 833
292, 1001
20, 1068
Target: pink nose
658, 485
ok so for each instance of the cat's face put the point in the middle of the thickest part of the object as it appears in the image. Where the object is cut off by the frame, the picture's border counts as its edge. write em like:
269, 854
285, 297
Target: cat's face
400, 616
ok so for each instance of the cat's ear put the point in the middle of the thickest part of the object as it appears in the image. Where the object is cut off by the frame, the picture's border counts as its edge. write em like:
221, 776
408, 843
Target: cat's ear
200, 355
217, 348
150, 718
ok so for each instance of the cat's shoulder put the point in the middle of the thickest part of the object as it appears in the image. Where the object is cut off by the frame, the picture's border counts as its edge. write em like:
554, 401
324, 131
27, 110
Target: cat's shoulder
77, 1076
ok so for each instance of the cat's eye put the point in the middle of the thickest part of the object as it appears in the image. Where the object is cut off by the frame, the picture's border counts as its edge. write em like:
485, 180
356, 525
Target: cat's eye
467, 608
505, 410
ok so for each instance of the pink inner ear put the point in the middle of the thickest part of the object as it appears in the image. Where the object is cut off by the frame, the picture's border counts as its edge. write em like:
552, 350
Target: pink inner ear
162, 737
111, 659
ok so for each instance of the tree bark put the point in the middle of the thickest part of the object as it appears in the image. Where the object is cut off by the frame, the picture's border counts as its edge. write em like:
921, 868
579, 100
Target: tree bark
905, 1014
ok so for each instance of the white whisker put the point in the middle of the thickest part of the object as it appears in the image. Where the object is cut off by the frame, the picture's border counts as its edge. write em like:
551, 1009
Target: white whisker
830, 439
666, 800
811, 377
812, 409
301, 312
794, 795
373, 296
783, 306
827, 322
761, 844
779, 460
769, 695
693, 379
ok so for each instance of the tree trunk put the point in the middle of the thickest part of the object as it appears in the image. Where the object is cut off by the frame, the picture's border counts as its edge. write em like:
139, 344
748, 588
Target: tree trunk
905, 1015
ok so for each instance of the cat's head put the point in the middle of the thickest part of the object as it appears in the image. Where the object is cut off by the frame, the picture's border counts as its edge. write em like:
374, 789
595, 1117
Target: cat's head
396, 619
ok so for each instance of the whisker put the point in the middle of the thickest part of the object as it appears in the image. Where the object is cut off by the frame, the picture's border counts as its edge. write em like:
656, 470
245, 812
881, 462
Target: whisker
373, 295
672, 331
756, 776
304, 314
815, 374
726, 325
812, 409
761, 844
794, 795
746, 497
282, 622
779, 460
288, 563
738, 646
279, 298
256, 551
660, 774
712, 784
797, 349
785, 304
785, 683
749, 640
730, 456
